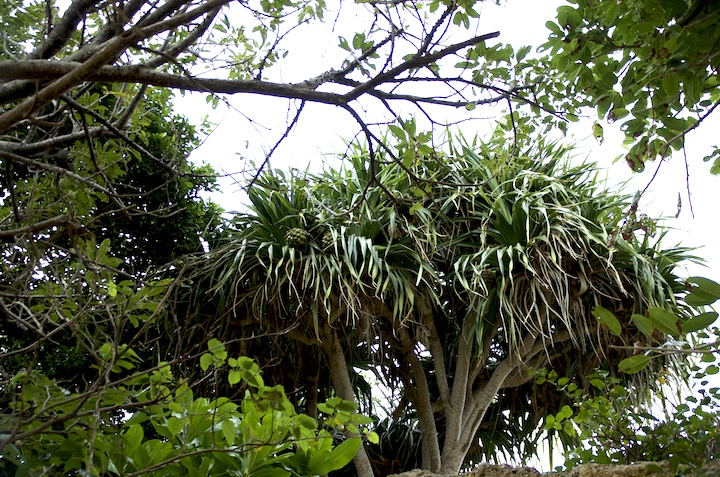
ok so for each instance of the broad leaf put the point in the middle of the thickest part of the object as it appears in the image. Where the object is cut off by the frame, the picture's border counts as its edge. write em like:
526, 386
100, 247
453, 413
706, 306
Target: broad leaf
175, 425
228, 431
134, 436
608, 319
324, 461
699, 322
664, 321
205, 361
634, 364
643, 324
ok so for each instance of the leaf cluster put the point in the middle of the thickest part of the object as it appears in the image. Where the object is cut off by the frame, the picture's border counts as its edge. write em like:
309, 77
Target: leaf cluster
150, 423
649, 64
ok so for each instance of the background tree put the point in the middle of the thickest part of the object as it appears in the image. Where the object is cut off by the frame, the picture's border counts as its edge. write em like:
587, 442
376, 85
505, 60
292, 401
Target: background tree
650, 64
454, 276
161, 219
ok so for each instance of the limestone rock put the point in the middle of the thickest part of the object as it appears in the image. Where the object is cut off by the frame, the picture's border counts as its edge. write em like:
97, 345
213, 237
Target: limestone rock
639, 469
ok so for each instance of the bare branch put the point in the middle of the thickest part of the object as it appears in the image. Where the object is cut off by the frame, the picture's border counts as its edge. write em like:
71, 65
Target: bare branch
417, 61
56, 169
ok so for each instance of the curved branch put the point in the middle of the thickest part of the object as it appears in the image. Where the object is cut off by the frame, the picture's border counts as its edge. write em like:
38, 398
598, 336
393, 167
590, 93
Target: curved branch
417, 61
56, 169
9, 235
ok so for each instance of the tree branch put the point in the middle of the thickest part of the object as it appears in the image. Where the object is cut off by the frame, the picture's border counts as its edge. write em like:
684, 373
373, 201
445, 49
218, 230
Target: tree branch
424, 307
58, 170
417, 61
9, 235
344, 389
48, 70
424, 404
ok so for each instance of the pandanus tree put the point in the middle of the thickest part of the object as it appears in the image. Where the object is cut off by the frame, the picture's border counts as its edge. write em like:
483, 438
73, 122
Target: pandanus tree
453, 275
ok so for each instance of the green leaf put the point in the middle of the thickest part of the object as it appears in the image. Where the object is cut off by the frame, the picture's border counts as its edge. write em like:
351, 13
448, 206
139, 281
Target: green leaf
228, 431
133, 436
699, 322
345, 451
671, 85
634, 364
643, 324
598, 132
215, 346
307, 422
234, 377
697, 298
664, 321
553, 27
205, 361
175, 425
608, 319
271, 472
326, 461
141, 456
522, 53
346, 406
706, 286
319, 462
373, 438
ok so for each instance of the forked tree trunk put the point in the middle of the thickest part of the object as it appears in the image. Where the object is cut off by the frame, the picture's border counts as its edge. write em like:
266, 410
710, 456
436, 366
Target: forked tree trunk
469, 416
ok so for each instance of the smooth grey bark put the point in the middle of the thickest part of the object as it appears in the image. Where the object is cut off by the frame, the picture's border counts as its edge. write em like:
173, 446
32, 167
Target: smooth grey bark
423, 406
480, 401
344, 389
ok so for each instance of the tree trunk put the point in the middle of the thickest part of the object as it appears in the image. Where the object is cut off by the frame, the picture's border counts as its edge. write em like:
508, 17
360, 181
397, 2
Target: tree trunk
454, 455
343, 387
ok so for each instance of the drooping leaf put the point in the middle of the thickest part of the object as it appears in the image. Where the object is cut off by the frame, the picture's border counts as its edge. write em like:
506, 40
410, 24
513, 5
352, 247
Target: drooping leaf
608, 319
643, 324
228, 431
664, 321
634, 364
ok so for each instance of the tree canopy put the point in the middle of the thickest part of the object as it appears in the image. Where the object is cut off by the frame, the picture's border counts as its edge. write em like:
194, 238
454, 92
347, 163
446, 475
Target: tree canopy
453, 276
138, 326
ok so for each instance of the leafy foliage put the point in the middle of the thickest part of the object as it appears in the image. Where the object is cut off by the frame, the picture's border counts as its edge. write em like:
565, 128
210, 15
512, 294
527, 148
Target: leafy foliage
452, 272
147, 422
651, 64
616, 427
